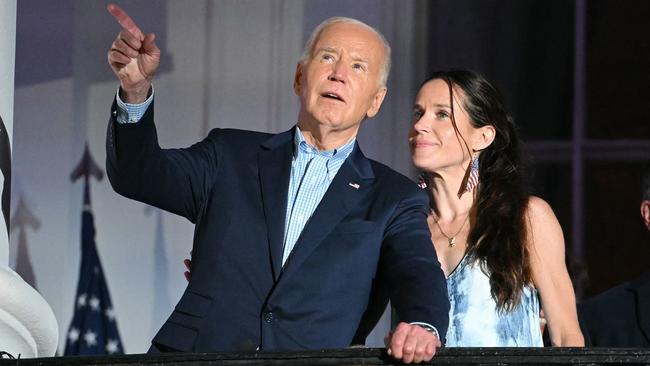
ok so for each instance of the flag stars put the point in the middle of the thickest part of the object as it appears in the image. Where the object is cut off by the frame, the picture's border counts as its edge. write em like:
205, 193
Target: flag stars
90, 338
94, 303
81, 300
112, 346
110, 314
73, 335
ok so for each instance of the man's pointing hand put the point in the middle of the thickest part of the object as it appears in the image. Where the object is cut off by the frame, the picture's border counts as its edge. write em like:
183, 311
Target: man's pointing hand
133, 57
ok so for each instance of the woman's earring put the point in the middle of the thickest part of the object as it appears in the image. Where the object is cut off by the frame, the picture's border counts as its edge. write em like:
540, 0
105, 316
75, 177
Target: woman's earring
422, 183
472, 177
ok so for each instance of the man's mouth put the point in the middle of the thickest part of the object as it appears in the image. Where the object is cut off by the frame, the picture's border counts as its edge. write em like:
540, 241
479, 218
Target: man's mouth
332, 95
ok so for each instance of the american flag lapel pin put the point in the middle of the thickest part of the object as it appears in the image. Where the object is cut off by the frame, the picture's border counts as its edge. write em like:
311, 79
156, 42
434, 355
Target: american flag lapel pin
354, 185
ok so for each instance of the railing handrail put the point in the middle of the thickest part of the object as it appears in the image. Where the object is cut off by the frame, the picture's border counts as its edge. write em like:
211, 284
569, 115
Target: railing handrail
363, 356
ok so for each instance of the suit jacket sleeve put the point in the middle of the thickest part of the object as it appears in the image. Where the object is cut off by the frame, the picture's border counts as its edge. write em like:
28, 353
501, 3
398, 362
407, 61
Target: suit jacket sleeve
416, 284
176, 180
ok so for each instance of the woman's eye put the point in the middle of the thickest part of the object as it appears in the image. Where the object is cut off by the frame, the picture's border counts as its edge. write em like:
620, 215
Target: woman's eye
417, 114
442, 115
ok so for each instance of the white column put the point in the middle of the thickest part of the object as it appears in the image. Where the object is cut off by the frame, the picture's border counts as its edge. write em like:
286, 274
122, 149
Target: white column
7, 55
27, 324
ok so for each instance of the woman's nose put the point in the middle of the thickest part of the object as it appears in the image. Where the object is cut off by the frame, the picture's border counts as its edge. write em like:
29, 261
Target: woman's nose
421, 124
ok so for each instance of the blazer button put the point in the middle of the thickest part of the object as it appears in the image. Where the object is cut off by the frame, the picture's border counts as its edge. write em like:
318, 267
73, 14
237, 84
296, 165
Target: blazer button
268, 316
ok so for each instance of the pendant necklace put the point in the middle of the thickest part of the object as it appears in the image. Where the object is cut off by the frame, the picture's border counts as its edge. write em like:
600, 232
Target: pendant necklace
450, 239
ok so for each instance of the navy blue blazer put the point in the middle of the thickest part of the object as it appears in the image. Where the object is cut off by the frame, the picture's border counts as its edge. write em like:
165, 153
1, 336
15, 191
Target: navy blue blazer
618, 317
233, 185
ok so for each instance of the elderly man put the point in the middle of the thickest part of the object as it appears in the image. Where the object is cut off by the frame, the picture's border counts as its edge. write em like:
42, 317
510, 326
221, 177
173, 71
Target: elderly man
292, 230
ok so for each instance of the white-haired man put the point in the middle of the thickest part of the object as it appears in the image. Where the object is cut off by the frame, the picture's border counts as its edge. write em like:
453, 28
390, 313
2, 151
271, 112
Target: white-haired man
292, 229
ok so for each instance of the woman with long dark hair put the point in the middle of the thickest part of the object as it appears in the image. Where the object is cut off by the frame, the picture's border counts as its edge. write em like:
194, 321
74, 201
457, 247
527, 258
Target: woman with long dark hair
499, 247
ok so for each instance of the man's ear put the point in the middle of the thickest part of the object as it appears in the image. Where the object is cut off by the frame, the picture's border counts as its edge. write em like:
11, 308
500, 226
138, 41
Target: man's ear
297, 77
483, 137
376, 102
645, 213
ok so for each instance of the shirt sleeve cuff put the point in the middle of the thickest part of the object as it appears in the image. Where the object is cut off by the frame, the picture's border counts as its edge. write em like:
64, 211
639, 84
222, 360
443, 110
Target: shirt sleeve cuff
428, 327
131, 113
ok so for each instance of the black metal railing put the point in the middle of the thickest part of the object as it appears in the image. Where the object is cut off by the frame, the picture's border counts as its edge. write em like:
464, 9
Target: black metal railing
364, 356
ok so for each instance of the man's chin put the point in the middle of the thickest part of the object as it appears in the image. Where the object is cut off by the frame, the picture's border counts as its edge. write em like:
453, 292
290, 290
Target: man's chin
333, 121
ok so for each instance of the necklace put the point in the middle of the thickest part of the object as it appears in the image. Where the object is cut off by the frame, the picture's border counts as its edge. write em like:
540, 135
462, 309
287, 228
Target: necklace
450, 239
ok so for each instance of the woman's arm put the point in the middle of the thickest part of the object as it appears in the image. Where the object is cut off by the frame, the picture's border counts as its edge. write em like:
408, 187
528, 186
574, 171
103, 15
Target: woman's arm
550, 275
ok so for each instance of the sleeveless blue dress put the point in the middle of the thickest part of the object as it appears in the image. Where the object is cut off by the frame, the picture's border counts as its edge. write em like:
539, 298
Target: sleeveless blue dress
474, 320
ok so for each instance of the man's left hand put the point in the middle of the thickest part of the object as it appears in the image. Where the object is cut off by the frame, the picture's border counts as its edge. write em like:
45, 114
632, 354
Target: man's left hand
411, 343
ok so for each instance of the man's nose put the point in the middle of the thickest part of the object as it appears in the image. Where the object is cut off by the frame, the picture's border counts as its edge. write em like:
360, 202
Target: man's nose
338, 73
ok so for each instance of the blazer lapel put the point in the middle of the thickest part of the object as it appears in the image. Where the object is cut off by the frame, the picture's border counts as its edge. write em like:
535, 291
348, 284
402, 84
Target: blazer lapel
642, 292
351, 183
274, 170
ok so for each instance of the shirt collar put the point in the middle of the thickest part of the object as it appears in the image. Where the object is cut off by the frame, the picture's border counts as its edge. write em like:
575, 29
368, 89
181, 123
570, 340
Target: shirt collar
339, 154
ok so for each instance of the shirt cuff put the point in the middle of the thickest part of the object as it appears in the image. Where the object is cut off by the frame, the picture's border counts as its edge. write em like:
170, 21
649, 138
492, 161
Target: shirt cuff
131, 113
428, 327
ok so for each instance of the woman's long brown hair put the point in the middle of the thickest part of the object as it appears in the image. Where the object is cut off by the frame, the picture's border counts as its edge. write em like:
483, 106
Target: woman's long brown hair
497, 237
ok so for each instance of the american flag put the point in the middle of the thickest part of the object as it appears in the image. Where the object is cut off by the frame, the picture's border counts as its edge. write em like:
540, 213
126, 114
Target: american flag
93, 330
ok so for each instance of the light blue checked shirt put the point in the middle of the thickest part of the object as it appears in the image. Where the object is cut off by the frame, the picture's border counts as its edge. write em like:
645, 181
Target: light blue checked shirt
312, 171
131, 113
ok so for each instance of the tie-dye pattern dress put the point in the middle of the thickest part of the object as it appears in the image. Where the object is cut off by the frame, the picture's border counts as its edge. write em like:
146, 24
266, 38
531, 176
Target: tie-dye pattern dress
474, 320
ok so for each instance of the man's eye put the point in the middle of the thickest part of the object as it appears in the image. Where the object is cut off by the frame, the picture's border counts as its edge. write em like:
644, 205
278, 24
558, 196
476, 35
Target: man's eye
417, 114
358, 67
327, 57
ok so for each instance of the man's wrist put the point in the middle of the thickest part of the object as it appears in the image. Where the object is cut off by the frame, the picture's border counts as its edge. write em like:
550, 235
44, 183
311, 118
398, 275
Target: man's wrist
136, 95
428, 327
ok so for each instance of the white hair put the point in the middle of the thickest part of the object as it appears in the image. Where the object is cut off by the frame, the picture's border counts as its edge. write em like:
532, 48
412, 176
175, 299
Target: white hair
307, 50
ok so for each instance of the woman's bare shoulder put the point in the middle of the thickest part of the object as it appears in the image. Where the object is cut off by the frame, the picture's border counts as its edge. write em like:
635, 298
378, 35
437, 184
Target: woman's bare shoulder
537, 208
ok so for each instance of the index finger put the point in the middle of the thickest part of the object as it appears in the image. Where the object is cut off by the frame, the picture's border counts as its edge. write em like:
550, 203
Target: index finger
125, 20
